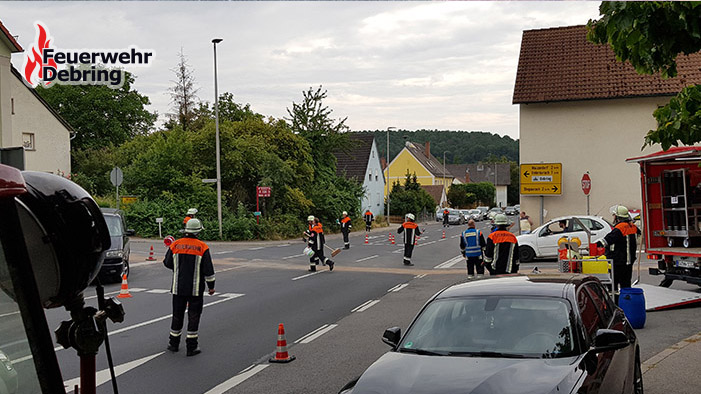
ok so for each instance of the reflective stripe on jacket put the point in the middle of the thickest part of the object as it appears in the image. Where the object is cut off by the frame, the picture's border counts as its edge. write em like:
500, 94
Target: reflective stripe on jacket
412, 230
502, 252
345, 224
191, 262
471, 243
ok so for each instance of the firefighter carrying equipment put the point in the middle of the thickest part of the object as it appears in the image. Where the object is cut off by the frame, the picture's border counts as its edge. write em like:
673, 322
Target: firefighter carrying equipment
316, 242
193, 226
501, 253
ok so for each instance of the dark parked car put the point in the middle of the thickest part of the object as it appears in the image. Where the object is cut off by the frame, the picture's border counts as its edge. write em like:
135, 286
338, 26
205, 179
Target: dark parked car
522, 334
511, 210
117, 257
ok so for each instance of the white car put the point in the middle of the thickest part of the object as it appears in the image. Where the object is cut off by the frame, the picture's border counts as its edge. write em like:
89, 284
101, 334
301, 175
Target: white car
542, 242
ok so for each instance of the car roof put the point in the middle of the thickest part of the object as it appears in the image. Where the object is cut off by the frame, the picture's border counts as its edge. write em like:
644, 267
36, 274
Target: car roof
112, 211
545, 285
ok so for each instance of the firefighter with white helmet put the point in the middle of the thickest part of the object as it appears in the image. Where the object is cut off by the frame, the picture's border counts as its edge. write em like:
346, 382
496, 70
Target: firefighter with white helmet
501, 252
621, 244
190, 214
315, 240
345, 229
411, 231
191, 262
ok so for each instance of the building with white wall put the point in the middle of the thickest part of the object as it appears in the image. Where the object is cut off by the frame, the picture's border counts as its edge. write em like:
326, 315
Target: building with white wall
580, 107
27, 120
362, 163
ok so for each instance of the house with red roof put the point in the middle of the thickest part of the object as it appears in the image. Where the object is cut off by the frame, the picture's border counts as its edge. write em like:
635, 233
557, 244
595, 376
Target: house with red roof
580, 107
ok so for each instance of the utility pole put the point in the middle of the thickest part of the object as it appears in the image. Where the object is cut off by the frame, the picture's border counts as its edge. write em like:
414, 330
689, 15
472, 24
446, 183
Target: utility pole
216, 122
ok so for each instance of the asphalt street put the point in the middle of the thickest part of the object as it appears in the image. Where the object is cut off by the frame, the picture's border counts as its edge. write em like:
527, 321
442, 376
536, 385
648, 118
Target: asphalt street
333, 320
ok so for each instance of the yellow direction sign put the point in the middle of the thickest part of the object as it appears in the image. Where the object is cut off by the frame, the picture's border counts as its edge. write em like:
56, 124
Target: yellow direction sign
541, 178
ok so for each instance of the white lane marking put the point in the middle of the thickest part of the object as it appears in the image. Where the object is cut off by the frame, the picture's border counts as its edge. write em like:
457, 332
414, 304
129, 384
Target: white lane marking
449, 263
308, 275
398, 251
291, 257
229, 295
455, 236
9, 314
397, 288
257, 248
420, 276
103, 376
316, 333
134, 265
367, 258
426, 243
158, 291
228, 269
442, 239
282, 246
365, 306
231, 251
238, 379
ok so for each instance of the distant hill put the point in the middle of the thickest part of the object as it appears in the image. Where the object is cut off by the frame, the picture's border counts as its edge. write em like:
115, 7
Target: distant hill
462, 146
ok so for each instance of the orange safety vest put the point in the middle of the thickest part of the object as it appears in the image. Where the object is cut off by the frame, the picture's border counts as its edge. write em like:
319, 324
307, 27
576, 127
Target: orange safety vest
345, 220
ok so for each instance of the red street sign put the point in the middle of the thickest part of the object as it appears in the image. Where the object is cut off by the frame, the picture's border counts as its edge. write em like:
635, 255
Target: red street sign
586, 184
263, 191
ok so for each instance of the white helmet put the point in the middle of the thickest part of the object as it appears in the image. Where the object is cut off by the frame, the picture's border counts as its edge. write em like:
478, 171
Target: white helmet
620, 211
500, 219
410, 216
310, 218
192, 211
193, 226
345, 213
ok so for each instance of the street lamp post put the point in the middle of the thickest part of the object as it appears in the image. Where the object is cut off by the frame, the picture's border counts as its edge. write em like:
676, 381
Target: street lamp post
216, 41
387, 179
444, 182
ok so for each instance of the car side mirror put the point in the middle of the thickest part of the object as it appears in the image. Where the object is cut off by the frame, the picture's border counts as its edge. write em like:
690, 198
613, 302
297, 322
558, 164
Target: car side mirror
607, 340
130, 232
392, 336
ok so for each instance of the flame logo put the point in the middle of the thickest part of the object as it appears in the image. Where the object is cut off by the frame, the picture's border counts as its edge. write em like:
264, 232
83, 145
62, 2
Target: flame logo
33, 64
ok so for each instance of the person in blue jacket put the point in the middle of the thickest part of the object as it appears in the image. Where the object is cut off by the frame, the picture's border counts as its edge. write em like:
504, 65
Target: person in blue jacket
471, 244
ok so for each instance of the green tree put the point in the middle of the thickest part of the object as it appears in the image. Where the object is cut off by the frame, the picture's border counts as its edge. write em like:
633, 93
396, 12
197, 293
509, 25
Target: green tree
410, 198
650, 35
101, 116
229, 110
459, 197
484, 192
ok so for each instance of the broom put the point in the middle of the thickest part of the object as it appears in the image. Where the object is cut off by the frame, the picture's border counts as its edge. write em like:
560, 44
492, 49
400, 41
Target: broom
334, 252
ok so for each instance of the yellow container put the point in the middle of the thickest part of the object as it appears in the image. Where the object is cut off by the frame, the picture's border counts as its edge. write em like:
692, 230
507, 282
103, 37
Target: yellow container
595, 265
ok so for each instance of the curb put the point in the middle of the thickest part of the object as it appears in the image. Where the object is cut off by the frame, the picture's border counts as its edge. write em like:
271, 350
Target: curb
652, 362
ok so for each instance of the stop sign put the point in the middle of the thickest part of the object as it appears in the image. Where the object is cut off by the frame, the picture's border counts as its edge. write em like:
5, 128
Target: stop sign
586, 184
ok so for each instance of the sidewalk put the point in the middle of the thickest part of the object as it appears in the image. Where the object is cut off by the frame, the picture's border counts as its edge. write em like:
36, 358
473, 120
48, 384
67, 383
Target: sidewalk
674, 370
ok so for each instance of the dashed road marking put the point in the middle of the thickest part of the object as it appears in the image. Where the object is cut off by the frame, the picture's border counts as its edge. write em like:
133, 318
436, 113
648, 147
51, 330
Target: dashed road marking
230, 251
316, 333
308, 275
292, 257
104, 376
257, 248
449, 263
282, 246
367, 258
158, 291
420, 276
397, 288
238, 379
365, 306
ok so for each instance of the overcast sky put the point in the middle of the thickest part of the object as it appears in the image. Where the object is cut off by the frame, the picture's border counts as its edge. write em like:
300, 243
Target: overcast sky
410, 65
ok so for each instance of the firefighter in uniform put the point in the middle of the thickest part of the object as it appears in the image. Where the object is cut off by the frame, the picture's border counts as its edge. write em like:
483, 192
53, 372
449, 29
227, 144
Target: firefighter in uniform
446, 213
191, 262
621, 245
369, 217
315, 240
410, 230
501, 252
345, 229
471, 244
190, 214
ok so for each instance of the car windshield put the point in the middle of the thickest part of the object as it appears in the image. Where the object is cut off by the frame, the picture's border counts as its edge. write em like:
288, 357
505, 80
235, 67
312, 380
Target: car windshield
114, 224
494, 326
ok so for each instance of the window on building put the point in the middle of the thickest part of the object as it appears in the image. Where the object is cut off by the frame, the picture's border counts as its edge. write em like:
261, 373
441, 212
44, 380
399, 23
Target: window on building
370, 176
28, 141
377, 175
12, 101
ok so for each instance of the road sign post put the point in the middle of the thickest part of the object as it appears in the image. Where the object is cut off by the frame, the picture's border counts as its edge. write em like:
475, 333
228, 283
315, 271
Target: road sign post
159, 221
586, 188
261, 191
116, 177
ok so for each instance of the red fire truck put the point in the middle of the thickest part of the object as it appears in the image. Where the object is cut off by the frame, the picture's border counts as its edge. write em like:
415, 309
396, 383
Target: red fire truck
671, 196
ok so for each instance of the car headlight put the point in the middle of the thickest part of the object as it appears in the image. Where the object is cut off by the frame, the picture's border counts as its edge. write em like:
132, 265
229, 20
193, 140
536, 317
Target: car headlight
5, 361
114, 253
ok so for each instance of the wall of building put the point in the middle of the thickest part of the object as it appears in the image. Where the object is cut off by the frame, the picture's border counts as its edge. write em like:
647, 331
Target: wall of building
52, 151
595, 136
404, 162
500, 196
374, 184
6, 78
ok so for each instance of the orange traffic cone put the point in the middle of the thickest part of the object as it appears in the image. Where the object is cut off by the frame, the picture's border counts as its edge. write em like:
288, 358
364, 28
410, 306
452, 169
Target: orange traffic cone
443, 234
366, 237
150, 255
281, 355
124, 292
391, 238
